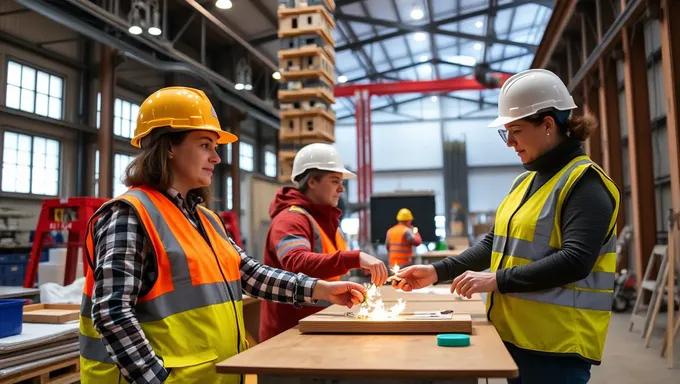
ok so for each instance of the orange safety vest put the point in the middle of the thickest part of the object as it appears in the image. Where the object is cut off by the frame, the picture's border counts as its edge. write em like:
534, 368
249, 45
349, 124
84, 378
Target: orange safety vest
323, 243
193, 314
399, 251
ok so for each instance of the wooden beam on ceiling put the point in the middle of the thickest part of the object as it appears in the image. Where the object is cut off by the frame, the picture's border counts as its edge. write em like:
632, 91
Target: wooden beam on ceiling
557, 24
639, 147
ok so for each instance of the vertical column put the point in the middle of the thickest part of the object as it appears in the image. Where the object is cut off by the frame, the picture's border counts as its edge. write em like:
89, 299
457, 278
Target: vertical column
639, 147
359, 117
670, 61
590, 94
369, 163
610, 124
107, 76
235, 169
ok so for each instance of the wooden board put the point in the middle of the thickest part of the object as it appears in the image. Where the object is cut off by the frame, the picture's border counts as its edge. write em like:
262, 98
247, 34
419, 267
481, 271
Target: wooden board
283, 12
329, 114
326, 321
307, 93
378, 356
51, 313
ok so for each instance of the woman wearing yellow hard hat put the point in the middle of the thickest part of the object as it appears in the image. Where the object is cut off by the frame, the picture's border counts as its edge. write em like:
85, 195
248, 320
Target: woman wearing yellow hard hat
552, 251
162, 299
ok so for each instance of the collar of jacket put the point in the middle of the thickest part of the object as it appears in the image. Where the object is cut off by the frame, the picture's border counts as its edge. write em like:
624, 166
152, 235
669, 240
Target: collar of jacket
556, 158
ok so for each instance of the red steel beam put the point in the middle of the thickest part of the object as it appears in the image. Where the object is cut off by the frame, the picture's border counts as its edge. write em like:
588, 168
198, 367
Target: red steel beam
446, 85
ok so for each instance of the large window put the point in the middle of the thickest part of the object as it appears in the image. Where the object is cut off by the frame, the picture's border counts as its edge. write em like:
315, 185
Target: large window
30, 164
124, 116
270, 163
230, 195
120, 163
34, 91
246, 156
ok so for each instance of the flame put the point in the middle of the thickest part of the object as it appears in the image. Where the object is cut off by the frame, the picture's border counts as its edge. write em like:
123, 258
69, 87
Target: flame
395, 269
374, 307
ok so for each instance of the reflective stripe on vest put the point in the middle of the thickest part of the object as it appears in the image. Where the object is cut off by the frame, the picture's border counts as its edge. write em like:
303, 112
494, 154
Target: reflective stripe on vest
570, 319
323, 243
196, 295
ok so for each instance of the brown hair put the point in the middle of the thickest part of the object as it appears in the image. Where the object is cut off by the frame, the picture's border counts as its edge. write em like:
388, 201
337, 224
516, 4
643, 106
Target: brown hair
152, 166
576, 127
303, 179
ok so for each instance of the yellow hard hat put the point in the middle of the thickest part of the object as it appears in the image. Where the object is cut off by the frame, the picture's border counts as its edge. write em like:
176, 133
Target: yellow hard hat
404, 215
178, 109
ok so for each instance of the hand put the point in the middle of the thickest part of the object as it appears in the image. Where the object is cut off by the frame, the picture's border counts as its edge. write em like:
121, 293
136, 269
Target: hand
344, 293
375, 267
415, 230
415, 277
471, 282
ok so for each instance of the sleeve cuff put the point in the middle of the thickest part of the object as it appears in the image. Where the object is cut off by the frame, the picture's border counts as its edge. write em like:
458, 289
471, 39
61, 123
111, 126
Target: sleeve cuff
501, 280
442, 271
304, 287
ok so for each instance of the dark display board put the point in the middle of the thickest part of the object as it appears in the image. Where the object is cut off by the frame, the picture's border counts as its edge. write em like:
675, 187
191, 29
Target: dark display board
384, 210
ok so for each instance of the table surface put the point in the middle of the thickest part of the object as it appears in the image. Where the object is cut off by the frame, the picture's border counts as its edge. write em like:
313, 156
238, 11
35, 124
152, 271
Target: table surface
16, 292
385, 356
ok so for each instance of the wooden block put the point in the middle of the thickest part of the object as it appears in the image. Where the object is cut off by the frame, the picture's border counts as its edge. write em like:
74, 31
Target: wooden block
307, 93
319, 323
51, 313
285, 165
318, 13
290, 127
306, 3
307, 41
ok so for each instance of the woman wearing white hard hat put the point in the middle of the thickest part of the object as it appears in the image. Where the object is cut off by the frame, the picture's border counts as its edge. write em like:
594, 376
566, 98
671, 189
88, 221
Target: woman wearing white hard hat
551, 253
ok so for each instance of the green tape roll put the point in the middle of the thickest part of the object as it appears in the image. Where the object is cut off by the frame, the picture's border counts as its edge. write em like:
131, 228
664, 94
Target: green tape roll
453, 340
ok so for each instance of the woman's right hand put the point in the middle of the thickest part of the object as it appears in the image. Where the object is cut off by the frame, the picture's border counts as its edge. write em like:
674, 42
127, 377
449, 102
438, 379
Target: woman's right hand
415, 277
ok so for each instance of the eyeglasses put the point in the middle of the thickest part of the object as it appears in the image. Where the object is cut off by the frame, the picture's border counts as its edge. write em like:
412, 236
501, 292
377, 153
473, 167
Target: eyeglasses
503, 134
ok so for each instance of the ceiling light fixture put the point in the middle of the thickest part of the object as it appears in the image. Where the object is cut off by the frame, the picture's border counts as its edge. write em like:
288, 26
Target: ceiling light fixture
419, 36
423, 58
342, 79
224, 4
479, 24
417, 13
239, 86
478, 47
276, 75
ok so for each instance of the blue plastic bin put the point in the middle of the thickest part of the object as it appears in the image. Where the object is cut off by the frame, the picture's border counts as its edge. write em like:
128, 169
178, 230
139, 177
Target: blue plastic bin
11, 317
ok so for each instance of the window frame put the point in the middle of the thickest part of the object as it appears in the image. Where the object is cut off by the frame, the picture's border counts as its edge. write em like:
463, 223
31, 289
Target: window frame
97, 113
37, 68
32, 135
241, 156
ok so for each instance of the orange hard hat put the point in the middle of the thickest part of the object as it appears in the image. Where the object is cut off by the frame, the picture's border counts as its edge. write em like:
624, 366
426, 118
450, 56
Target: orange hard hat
178, 109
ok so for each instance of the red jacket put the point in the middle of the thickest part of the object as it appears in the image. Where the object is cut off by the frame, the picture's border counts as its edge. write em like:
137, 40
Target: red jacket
289, 234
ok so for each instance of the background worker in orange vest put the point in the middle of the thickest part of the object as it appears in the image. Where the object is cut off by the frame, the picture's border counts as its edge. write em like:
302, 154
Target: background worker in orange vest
401, 239
305, 235
162, 298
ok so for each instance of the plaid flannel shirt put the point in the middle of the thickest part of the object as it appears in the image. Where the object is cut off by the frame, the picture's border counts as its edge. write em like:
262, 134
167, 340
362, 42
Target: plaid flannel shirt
125, 270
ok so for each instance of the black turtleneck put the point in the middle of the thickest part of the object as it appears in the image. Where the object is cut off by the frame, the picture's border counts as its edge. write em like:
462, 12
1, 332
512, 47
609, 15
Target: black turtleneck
585, 221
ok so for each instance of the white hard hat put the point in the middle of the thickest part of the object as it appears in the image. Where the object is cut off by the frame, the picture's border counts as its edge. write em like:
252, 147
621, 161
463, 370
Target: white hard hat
319, 156
529, 92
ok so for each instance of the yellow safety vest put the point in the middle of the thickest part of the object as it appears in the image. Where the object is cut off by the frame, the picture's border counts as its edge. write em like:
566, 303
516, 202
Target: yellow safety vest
572, 319
193, 314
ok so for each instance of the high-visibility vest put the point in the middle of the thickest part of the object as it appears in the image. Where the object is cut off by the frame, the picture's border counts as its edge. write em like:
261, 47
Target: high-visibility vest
193, 314
399, 250
571, 319
323, 243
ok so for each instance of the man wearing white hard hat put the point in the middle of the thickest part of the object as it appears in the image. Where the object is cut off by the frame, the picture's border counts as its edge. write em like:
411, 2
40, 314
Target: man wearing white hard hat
305, 235
552, 252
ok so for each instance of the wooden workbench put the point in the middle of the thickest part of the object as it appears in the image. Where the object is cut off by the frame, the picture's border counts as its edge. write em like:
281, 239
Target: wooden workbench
433, 256
294, 358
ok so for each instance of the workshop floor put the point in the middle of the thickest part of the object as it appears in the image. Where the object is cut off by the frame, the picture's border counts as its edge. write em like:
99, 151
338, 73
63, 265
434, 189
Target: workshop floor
627, 361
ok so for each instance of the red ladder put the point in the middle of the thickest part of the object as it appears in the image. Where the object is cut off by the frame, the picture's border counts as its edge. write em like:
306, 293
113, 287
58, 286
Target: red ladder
70, 214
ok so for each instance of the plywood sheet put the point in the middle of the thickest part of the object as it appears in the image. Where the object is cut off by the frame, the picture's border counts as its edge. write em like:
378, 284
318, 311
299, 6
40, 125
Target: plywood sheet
51, 313
331, 320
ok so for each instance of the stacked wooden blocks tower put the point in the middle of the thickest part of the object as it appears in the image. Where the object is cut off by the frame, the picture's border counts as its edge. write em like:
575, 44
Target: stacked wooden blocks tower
307, 68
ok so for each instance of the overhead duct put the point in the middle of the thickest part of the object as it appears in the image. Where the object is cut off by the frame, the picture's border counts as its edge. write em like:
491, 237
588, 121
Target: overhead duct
67, 14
